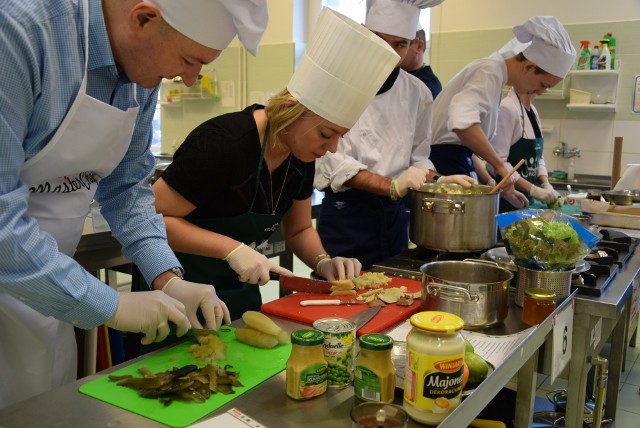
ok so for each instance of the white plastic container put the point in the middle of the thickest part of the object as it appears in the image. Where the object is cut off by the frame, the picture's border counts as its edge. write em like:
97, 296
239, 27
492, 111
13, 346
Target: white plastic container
576, 96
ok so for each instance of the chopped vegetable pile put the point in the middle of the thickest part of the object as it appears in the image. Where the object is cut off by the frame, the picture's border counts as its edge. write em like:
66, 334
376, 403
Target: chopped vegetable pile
188, 383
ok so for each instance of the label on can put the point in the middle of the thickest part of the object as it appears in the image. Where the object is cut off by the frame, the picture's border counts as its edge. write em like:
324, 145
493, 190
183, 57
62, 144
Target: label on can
434, 383
338, 347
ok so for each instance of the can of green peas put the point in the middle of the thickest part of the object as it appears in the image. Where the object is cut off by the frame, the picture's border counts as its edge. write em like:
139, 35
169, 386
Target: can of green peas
339, 343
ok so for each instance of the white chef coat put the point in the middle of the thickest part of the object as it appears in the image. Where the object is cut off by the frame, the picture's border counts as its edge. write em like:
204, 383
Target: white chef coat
393, 133
471, 97
510, 130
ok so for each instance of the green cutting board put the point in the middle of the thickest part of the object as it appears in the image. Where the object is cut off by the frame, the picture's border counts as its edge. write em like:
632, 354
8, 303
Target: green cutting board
255, 365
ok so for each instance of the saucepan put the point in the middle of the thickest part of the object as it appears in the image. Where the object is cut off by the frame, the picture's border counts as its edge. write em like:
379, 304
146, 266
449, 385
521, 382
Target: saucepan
475, 290
622, 197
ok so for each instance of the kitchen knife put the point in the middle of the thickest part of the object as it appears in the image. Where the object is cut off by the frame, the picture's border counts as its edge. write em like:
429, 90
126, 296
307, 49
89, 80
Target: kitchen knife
364, 317
330, 302
306, 285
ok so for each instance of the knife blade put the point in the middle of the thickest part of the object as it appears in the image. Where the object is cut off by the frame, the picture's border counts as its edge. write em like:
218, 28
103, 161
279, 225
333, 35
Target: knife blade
364, 317
330, 302
306, 285
202, 332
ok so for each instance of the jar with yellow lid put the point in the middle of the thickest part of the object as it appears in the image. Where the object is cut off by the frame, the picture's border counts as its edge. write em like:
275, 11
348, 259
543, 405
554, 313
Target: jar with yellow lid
537, 305
435, 366
306, 367
374, 375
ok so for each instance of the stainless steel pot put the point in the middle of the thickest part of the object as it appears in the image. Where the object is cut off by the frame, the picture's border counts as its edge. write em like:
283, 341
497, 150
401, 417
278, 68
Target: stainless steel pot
447, 217
475, 290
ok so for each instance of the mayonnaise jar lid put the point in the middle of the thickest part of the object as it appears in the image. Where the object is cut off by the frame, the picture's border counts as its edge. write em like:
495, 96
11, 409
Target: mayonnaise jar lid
437, 322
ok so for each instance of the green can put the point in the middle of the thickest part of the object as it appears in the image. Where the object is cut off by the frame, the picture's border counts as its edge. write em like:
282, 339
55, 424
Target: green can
339, 344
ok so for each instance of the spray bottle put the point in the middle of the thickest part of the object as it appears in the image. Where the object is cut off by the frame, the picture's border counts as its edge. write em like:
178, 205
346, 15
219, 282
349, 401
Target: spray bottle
584, 61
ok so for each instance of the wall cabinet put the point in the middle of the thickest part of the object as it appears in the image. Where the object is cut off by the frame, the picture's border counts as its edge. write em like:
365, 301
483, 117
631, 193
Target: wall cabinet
601, 84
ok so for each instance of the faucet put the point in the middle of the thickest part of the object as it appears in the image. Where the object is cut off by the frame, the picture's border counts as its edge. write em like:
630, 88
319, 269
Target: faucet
564, 151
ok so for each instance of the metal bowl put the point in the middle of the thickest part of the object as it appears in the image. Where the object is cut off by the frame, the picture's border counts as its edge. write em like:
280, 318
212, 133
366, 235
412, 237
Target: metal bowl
622, 197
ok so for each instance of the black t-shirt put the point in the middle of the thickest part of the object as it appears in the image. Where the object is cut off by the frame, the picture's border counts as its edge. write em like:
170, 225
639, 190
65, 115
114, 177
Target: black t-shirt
215, 169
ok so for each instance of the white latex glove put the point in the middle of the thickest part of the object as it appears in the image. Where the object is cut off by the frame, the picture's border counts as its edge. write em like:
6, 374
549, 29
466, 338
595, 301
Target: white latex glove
196, 296
149, 312
251, 266
333, 268
461, 179
412, 178
547, 195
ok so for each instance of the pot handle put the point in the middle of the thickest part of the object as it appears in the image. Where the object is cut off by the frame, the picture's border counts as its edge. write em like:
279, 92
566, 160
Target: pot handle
431, 289
443, 206
489, 262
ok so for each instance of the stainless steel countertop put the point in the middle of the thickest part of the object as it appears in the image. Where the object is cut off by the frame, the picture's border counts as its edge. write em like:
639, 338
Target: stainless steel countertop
269, 405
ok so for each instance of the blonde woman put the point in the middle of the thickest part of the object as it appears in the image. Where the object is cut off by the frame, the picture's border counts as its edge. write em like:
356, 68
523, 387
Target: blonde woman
240, 176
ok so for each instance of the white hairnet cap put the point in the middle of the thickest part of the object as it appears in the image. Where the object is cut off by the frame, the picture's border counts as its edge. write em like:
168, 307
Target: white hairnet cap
214, 23
512, 48
398, 18
342, 68
551, 48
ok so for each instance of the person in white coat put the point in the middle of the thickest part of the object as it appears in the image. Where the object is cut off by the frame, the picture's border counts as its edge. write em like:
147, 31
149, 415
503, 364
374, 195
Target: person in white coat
77, 97
383, 155
466, 111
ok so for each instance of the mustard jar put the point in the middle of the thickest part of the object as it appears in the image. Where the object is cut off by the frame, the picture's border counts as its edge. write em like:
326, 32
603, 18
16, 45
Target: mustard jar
374, 374
306, 367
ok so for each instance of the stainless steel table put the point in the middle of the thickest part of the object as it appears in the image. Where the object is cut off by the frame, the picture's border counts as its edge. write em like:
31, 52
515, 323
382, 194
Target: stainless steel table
269, 405
597, 319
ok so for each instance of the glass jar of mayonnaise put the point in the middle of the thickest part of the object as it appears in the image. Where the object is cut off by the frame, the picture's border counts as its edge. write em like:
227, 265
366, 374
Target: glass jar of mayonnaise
374, 374
434, 367
306, 366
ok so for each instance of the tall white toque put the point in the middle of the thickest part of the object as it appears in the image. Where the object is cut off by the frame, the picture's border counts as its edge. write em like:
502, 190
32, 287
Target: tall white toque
400, 18
342, 68
551, 48
214, 23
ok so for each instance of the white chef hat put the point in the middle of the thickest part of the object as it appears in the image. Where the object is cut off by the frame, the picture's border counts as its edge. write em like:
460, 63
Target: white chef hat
398, 18
512, 48
342, 68
214, 23
551, 48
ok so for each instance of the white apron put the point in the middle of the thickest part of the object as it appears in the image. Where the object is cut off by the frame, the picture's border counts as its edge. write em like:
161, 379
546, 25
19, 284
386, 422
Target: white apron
39, 353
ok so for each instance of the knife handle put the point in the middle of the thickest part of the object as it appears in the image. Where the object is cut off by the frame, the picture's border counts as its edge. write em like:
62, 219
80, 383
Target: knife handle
319, 302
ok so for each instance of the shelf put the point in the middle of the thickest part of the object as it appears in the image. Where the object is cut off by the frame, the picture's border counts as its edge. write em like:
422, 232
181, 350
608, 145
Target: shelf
595, 108
593, 72
601, 84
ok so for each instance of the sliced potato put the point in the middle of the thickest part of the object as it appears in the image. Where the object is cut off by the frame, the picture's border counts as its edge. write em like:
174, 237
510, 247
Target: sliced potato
261, 322
256, 338
343, 293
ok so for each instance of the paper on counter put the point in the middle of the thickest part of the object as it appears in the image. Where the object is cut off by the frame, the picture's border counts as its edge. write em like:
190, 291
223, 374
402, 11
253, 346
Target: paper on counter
492, 348
233, 418
495, 349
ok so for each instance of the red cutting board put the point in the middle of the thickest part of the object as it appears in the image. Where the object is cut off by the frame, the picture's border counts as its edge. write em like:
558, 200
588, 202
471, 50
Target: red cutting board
255, 365
289, 307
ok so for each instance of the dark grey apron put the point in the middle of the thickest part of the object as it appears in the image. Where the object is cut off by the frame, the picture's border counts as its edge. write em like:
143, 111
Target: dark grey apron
529, 149
251, 228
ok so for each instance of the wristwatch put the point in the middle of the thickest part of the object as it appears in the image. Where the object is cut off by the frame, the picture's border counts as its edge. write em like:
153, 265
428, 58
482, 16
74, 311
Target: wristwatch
178, 272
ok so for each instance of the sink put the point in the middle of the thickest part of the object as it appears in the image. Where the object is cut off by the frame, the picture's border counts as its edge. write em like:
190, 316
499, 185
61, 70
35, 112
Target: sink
583, 182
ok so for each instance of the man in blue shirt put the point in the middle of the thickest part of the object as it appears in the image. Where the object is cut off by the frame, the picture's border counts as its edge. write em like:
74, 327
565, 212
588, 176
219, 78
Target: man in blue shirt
77, 95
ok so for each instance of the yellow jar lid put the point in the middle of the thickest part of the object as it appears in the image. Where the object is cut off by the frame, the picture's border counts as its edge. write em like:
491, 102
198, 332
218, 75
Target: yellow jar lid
540, 293
437, 322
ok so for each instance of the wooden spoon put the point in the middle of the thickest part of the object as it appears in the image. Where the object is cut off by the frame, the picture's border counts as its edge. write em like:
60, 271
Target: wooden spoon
504, 180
